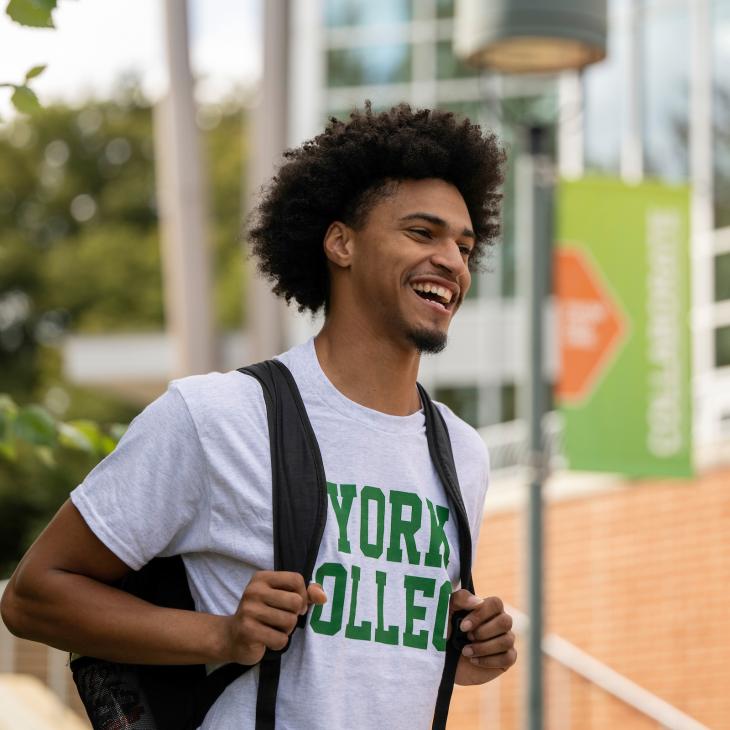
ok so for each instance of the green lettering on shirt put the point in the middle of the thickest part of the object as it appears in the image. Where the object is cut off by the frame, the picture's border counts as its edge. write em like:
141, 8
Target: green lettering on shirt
342, 511
405, 528
352, 630
335, 599
414, 612
383, 635
372, 496
439, 542
442, 616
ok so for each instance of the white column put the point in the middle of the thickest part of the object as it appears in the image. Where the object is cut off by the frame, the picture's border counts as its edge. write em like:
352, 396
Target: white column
702, 218
266, 312
306, 115
306, 71
632, 146
571, 161
182, 204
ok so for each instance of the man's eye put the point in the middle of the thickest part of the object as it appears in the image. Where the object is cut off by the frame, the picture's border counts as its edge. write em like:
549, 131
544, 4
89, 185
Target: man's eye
422, 232
466, 250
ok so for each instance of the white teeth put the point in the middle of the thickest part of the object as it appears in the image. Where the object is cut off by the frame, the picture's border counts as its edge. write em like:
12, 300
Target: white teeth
440, 291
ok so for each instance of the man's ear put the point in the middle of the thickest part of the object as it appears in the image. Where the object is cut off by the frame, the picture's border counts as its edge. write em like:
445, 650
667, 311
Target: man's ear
339, 244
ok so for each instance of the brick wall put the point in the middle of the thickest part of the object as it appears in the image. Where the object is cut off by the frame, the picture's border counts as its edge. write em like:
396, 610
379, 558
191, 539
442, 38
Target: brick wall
637, 576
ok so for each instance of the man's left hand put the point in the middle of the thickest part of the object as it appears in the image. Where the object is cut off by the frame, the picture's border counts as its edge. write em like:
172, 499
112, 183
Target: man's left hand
492, 648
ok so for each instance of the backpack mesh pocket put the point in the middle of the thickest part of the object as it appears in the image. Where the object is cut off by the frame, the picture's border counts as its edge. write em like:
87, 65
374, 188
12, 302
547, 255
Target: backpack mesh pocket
112, 695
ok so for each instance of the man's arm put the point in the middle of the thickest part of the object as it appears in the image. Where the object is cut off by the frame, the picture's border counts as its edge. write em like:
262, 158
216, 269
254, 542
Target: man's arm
491, 651
60, 595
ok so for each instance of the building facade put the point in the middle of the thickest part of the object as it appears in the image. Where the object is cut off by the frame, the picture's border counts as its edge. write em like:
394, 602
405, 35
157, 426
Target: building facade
623, 559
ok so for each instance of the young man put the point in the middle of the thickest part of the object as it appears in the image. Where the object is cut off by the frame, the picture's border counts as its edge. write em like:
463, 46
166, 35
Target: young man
379, 220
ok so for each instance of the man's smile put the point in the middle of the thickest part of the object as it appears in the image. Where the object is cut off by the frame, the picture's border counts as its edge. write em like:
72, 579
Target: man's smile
440, 295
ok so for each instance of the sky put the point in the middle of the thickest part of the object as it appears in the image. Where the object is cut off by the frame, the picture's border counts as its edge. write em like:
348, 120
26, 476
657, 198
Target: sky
97, 41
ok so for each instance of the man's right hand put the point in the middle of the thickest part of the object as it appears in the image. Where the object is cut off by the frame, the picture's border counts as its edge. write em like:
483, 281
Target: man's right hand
268, 612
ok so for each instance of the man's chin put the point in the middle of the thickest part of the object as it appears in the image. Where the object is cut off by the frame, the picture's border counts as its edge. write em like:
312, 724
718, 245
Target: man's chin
427, 342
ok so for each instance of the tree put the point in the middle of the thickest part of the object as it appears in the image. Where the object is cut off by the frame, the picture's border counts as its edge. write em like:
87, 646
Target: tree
79, 252
79, 241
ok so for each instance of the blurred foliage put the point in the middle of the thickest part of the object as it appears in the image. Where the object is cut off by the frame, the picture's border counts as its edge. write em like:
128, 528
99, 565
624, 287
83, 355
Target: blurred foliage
79, 240
36, 14
42, 459
80, 253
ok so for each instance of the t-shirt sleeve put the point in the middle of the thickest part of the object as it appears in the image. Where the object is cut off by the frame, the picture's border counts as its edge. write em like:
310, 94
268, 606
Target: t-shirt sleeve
148, 497
478, 496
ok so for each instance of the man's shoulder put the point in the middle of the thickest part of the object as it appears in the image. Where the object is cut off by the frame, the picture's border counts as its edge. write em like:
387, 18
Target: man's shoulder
216, 395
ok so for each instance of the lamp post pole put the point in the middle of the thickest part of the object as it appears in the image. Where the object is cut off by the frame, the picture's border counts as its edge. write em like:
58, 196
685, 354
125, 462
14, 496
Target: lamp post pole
527, 37
537, 192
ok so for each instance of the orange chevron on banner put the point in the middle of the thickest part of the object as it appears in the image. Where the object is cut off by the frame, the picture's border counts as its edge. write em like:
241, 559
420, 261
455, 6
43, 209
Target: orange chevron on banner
591, 324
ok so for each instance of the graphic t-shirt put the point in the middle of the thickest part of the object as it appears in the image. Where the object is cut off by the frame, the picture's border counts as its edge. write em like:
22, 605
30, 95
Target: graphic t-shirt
192, 476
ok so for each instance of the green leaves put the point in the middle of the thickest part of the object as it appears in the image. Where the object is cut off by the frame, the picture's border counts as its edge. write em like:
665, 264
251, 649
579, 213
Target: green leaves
34, 426
35, 71
8, 414
33, 13
25, 100
37, 14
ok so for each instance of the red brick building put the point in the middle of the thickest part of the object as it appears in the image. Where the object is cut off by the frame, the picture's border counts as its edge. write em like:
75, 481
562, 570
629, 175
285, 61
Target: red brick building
637, 575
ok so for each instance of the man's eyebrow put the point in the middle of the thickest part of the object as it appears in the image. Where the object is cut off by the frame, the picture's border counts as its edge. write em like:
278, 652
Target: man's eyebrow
436, 221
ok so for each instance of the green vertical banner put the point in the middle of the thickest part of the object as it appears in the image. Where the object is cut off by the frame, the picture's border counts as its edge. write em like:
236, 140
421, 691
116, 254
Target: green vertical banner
622, 291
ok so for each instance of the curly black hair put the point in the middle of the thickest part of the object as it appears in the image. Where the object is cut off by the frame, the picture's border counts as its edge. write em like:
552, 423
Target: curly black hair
340, 175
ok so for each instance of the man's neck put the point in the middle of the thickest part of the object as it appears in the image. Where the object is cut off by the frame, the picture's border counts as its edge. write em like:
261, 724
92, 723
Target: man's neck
369, 370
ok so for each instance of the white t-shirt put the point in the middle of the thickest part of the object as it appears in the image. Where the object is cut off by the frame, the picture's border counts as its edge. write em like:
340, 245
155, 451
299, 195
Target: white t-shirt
192, 476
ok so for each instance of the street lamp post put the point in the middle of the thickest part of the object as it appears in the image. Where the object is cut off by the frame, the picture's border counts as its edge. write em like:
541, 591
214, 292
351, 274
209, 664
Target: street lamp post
529, 37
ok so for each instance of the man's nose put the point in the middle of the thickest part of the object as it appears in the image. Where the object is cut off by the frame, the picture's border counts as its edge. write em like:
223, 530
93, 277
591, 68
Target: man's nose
449, 256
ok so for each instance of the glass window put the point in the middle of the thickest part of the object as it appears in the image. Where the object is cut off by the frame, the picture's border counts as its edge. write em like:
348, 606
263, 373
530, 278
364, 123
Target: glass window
666, 90
603, 92
372, 12
463, 400
444, 8
721, 110
509, 402
369, 65
448, 66
722, 346
722, 277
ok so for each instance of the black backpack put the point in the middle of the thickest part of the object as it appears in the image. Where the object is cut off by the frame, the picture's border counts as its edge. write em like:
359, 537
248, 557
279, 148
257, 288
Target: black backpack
146, 697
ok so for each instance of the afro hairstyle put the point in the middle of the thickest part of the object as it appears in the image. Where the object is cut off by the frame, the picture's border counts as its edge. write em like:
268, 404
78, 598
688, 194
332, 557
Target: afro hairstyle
340, 175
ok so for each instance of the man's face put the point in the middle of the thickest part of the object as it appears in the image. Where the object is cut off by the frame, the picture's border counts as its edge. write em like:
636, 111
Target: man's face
410, 262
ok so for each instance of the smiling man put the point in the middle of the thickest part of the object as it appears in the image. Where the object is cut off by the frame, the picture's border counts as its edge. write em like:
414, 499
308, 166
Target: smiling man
379, 220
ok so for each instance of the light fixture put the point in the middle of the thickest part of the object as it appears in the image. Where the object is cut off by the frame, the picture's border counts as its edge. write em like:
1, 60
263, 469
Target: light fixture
530, 36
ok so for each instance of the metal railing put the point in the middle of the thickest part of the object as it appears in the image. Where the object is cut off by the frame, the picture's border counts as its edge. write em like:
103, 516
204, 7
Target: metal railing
601, 675
508, 442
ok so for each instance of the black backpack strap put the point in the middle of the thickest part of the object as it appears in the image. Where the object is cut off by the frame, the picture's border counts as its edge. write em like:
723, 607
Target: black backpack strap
269, 670
299, 502
442, 456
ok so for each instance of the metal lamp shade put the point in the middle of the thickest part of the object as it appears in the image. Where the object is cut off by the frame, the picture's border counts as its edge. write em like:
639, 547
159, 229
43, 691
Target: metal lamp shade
530, 36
